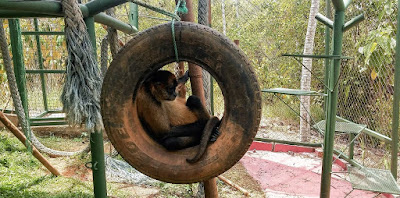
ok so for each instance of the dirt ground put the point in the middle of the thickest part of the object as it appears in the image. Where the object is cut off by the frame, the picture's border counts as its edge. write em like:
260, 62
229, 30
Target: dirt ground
74, 167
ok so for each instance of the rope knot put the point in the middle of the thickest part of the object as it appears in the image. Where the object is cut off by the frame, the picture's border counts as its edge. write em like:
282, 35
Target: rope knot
182, 9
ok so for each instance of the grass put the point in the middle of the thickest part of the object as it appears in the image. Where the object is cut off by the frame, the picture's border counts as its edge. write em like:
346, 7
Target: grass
22, 175
64, 144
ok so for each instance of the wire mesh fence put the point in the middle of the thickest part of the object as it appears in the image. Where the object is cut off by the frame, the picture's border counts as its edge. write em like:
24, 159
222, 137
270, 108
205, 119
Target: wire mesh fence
268, 29
43, 89
366, 86
265, 29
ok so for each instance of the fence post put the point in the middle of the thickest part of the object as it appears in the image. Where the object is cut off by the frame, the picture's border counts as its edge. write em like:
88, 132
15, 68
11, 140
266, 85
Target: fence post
18, 60
40, 60
96, 137
396, 100
332, 104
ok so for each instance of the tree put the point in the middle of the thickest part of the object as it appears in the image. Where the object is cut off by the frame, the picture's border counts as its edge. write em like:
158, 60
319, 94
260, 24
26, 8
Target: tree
305, 72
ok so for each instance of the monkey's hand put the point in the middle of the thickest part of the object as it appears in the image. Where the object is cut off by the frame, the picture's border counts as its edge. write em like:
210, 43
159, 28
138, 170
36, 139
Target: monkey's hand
183, 79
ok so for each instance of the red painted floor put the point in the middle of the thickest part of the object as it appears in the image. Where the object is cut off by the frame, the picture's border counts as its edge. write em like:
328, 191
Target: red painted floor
296, 175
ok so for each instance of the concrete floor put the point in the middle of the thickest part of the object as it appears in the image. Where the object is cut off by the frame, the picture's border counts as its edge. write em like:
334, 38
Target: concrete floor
295, 172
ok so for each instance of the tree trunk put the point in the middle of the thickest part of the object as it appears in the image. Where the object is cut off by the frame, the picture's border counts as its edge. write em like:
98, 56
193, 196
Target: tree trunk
237, 18
305, 74
223, 17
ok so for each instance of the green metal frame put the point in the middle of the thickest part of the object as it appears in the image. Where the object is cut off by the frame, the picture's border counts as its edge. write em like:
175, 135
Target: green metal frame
332, 72
396, 100
40, 58
91, 12
332, 76
41, 71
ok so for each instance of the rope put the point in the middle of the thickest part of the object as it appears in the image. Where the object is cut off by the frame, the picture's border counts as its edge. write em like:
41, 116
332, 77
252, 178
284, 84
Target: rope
122, 172
12, 83
104, 56
112, 35
179, 9
203, 19
81, 93
111, 39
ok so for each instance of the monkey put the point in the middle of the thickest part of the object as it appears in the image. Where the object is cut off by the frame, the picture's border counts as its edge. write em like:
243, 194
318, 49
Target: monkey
170, 119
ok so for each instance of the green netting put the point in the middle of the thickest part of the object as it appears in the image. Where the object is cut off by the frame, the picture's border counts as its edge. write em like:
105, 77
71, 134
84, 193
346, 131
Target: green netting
344, 127
296, 92
371, 179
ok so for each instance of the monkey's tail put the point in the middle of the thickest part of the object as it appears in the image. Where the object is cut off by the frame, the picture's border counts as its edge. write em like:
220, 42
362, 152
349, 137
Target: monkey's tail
208, 129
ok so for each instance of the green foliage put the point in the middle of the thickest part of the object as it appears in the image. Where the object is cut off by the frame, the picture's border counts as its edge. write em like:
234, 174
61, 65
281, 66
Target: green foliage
366, 88
266, 29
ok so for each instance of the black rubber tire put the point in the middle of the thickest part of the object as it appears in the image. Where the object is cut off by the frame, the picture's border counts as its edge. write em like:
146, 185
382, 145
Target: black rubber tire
149, 51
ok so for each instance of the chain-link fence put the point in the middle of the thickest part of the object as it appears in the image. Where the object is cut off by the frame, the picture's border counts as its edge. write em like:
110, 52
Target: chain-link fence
265, 29
43, 90
367, 81
268, 29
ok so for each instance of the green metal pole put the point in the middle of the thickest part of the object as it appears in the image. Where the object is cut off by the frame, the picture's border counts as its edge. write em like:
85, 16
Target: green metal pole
332, 105
96, 137
54, 8
396, 100
114, 23
18, 61
40, 59
327, 48
97, 6
351, 148
134, 15
89, 21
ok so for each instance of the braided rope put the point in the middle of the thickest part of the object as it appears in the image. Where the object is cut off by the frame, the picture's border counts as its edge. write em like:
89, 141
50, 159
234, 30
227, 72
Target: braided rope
203, 19
112, 35
104, 56
81, 93
12, 83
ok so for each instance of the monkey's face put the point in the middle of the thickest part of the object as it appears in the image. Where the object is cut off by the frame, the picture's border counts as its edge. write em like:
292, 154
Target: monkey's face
163, 85
165, 90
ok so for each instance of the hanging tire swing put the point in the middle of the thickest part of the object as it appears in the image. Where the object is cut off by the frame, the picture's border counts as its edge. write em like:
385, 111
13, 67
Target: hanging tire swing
149, 51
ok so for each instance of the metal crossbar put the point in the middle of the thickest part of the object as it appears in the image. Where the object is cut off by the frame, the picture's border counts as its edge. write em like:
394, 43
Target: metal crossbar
296, 92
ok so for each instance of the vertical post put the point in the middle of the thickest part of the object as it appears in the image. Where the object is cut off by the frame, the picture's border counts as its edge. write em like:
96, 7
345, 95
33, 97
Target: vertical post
210, 188
18, 60
351, 148
211, 78
327, 48
134, 15
96, 137
40, 59
195, 72
196, 80
332, 104
396, 100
